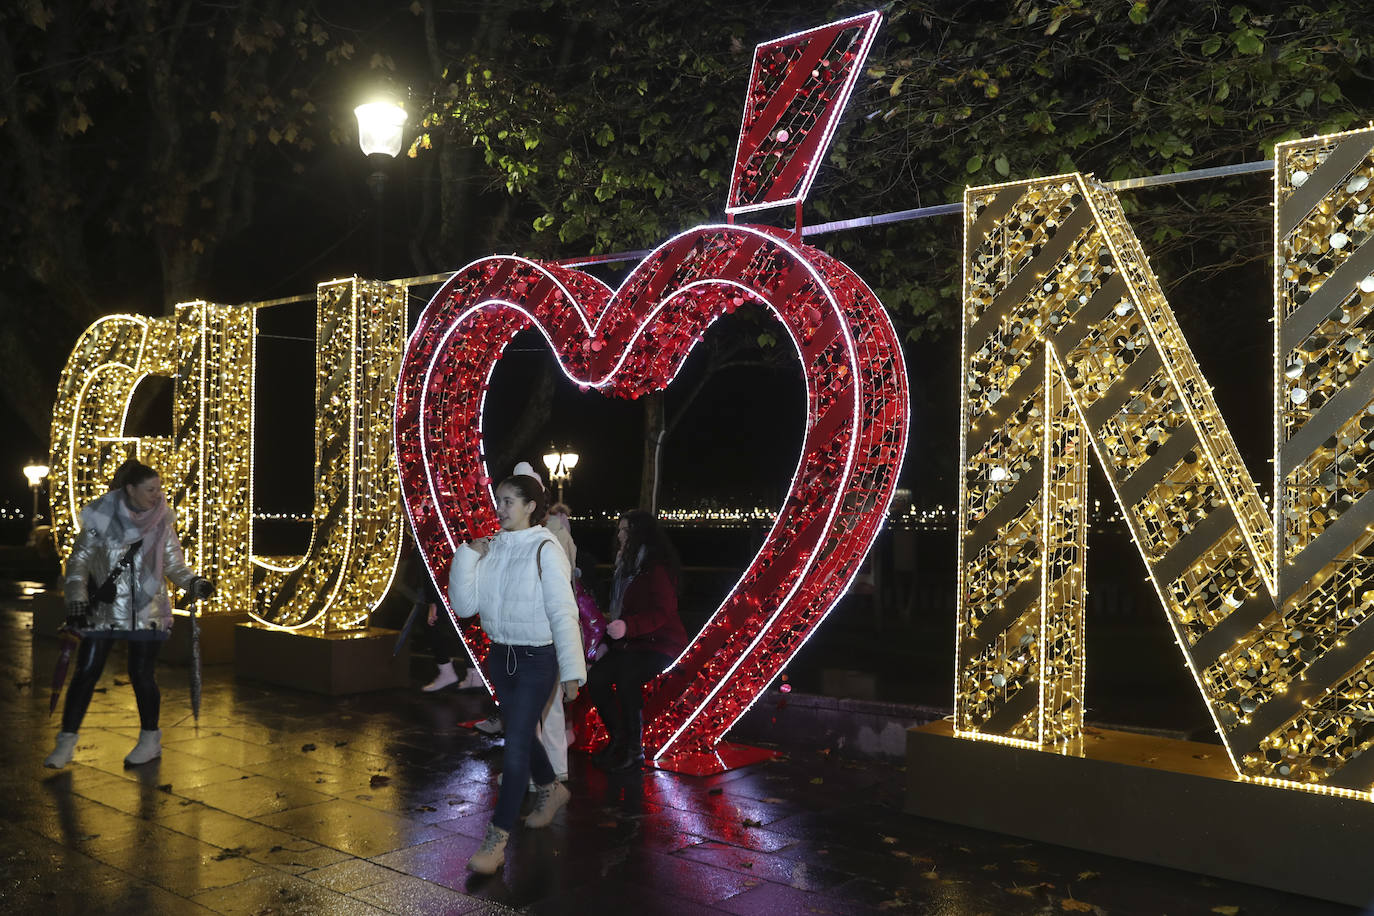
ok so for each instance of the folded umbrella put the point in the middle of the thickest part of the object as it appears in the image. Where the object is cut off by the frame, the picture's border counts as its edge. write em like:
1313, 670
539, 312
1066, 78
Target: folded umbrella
405, 627
195, 663
68, 639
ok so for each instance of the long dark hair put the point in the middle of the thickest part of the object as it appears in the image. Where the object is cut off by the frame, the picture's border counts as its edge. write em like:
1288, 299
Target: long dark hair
643, 531
130, 474
532, 490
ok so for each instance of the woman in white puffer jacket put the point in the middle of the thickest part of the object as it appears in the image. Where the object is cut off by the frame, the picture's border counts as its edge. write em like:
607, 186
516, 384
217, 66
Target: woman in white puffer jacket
521, 583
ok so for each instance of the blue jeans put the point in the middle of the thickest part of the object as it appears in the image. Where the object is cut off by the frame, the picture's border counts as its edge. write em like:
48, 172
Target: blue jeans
524, 677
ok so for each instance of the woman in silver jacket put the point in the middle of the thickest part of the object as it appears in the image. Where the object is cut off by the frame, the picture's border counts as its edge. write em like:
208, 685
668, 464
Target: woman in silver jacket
116, 588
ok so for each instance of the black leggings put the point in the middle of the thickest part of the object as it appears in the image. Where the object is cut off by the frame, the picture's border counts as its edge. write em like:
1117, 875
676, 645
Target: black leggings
90, 662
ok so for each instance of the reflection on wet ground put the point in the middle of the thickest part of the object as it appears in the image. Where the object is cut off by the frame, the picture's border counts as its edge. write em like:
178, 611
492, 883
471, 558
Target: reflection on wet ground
286, 802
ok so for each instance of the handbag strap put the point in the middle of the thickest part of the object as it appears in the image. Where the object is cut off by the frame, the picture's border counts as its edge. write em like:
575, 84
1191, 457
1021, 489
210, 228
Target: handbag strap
122, 565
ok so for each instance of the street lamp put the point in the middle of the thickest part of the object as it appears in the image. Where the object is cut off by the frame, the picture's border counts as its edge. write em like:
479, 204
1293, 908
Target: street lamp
381, 134
560, 465
36, 473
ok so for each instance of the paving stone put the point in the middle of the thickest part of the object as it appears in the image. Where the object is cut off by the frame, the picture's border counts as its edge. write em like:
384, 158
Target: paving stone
284, 802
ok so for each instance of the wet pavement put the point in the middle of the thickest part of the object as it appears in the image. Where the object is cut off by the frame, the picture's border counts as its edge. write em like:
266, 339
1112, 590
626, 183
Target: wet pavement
284, 802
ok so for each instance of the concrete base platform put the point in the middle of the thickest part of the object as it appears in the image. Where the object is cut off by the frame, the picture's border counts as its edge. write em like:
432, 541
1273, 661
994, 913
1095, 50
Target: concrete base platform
216, 638
725, 757
49, 613
1156, 800
330, 663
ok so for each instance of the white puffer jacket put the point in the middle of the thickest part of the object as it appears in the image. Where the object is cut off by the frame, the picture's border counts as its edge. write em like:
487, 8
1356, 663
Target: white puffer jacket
521, 603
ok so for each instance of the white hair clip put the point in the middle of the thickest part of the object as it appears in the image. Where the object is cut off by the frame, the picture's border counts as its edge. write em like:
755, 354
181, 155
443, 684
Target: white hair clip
525, 469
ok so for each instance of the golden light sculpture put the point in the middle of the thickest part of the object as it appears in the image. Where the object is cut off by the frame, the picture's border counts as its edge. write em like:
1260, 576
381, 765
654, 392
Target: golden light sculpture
356, 539
105, 366
1068, 342
208, 351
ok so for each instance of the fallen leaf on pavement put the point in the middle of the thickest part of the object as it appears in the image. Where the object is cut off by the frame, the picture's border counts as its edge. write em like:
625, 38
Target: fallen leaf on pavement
1070, 905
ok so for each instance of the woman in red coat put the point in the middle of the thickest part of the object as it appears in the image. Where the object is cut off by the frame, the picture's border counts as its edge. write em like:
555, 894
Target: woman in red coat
646, 635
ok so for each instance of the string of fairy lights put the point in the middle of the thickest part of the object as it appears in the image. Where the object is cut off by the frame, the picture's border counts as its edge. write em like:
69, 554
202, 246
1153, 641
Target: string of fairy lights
209, 351
1265, 597
1068, 345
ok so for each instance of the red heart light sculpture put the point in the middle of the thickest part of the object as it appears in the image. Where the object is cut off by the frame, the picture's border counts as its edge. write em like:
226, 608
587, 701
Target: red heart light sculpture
632, 341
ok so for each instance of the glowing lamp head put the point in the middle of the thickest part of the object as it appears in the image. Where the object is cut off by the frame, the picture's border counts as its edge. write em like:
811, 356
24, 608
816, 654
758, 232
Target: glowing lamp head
560, 463
36, 474
381, 128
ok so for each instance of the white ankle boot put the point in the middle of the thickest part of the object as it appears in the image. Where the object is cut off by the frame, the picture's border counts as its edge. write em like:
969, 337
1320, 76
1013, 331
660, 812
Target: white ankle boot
445, 677
149, 747
472, 680
61, 754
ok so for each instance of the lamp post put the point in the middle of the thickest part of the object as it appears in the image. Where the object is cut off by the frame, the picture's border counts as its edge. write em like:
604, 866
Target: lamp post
36, 474
381, 134
560, 465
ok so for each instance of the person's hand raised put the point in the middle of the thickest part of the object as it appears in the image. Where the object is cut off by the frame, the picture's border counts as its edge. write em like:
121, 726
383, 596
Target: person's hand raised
481, 545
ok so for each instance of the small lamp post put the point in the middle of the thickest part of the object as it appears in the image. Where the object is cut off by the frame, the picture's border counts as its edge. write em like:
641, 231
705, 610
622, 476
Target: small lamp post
36, 474
560, 465
381, 134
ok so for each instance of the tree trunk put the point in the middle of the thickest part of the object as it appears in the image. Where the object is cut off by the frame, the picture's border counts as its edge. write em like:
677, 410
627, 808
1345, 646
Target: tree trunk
654, 431
534, 419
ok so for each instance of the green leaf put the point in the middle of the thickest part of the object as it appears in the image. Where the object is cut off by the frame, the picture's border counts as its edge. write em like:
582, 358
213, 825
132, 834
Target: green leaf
1211, 45
973, 164
1002, 166
1248, 41
1140, 11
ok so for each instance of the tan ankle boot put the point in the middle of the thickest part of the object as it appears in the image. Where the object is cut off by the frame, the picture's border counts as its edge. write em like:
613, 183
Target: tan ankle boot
546, 804
489, 858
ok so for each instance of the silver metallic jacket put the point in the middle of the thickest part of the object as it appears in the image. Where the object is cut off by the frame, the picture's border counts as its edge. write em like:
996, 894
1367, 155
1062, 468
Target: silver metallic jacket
94, 557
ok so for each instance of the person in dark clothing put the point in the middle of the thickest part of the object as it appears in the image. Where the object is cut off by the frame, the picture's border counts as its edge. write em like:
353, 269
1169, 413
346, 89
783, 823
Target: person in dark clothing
646, 635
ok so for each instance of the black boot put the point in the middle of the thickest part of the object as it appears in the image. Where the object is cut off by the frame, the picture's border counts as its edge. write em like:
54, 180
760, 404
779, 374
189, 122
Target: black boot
631, 755
612, 752
614, 748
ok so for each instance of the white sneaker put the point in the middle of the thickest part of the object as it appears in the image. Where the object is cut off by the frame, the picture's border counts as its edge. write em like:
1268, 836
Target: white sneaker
472, 681
441, 680
61, 754
491, 726
149, 748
